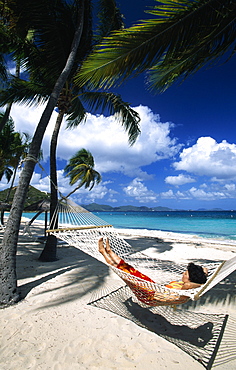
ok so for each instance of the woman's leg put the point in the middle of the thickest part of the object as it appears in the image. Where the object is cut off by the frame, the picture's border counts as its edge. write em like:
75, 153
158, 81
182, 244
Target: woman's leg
110, 257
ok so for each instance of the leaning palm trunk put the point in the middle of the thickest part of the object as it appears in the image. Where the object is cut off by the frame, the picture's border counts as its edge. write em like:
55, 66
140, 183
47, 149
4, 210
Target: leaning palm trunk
5, 116
9, 193
8, 278
9, 105
49, 252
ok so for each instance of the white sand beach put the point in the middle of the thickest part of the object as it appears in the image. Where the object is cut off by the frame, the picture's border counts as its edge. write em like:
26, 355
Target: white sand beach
54, 328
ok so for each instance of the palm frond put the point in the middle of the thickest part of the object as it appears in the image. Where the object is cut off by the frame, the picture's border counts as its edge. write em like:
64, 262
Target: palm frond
109, 18
77, 113
113, 104
81, 168
203, 29
52, 26
7, 172
24, 92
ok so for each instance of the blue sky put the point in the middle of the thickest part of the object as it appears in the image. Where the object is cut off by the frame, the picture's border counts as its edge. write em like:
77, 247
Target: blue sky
185, 157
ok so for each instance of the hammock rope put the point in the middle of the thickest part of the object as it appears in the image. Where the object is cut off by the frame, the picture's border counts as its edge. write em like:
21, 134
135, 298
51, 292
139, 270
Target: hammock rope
82, 229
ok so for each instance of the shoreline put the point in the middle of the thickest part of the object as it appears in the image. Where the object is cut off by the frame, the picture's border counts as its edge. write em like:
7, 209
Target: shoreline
53, 327
215, 231
180, 237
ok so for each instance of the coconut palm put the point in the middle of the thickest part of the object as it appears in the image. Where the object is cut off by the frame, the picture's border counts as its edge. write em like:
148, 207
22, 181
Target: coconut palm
13, 149
81, 168
8, 292
181, 37
73, 102
48, 74
7, 149
12, 44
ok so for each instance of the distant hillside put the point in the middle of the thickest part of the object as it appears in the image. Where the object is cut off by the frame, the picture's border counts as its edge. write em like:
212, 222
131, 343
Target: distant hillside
94, 207
33, 196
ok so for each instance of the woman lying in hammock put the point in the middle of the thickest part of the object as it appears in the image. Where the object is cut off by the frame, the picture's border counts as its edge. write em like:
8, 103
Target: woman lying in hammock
192, 278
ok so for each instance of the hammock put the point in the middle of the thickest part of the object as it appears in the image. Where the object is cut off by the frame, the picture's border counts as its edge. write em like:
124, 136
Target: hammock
82, 229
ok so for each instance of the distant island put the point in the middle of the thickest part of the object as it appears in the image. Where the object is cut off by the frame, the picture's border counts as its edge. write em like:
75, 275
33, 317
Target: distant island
35, 198
94, 207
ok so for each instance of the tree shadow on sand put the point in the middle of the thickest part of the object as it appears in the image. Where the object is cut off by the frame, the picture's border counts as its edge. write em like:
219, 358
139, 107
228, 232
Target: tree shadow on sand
78, 267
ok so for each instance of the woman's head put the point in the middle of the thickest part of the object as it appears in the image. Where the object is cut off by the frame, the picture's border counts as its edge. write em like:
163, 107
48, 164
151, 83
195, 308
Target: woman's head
197, 274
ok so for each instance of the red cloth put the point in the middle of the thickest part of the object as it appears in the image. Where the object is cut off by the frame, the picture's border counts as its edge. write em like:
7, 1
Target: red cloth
175, 285
130, 269
142, 292
147, 295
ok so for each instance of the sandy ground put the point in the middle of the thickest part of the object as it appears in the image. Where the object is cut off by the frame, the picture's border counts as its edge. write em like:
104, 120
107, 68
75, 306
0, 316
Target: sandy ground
54, 328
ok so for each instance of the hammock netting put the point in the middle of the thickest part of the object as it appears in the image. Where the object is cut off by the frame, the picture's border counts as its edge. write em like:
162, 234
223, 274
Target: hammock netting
197, 334
82, 229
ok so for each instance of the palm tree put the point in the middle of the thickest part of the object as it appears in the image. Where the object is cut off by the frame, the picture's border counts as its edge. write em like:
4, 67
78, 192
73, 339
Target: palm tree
81, 168
7, 149
49, 74
73, 101
13, 149
8, 292
12, 44
182, 37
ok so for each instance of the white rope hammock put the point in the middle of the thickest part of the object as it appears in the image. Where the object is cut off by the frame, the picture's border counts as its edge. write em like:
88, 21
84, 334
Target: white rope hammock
82, 229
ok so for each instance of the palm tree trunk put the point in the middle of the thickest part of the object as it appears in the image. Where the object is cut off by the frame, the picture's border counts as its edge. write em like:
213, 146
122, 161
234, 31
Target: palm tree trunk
8, 194
5, 116
9, 105
49, 252
8, 281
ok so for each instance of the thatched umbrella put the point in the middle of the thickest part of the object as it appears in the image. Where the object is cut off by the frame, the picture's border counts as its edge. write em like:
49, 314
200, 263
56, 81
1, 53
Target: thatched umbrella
4, 207
39, 207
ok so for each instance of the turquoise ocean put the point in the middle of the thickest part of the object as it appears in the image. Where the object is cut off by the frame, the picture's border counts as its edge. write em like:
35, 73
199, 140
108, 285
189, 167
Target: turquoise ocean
207, 224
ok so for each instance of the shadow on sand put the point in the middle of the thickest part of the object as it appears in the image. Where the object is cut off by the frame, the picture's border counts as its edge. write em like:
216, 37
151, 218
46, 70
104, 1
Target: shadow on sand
199, 336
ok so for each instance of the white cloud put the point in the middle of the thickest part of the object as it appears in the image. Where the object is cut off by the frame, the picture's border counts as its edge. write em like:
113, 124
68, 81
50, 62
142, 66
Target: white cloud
140, 192
26, 120
179, 180
206, 193
168, 194
106, 139
209, 158
230, 187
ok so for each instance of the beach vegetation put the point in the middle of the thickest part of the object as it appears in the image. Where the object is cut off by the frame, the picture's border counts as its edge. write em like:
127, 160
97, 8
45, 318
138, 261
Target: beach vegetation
33, 196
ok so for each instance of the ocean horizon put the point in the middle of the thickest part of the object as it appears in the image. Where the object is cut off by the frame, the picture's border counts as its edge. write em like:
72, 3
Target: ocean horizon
206, 224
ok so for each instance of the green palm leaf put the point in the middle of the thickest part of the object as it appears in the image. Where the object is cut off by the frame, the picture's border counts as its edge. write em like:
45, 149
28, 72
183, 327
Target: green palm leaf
185, 36
109, 18
77, 113
81, 168
113, 104
25, 92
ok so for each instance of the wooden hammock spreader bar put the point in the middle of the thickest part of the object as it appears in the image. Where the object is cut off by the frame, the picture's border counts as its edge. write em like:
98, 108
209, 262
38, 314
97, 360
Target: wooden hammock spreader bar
197, 296
76, 228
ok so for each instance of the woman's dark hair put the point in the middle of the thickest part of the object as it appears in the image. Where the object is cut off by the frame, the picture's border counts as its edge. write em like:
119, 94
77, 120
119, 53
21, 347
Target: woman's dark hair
196, 274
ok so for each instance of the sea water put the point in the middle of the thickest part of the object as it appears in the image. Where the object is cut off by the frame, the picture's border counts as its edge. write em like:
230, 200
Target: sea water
208, 224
